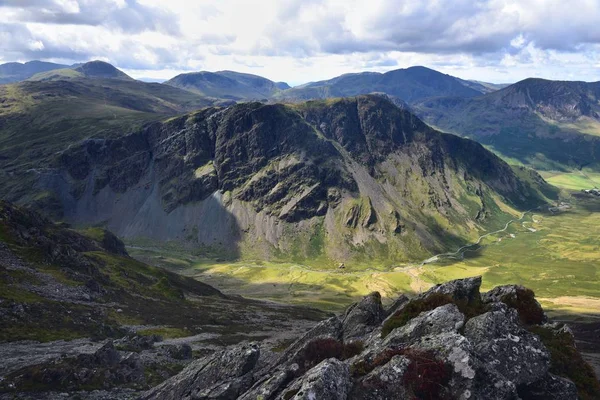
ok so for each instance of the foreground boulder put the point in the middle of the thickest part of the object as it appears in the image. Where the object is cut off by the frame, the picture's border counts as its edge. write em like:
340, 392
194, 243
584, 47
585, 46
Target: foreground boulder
450, 342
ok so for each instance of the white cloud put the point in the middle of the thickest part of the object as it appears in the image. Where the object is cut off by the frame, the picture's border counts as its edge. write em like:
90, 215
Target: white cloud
303, 40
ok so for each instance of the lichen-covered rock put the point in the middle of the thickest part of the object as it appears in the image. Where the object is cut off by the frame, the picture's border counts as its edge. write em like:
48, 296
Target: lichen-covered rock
272, 384
399, 302
222, 376
515, 353
384, 382
330, 380
445, 344
328, 329
472, 376
460, 290
446, 318
520, 298
362, 317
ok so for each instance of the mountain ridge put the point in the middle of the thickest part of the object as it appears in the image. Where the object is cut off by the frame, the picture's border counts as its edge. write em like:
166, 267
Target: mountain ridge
363, 175
543, 123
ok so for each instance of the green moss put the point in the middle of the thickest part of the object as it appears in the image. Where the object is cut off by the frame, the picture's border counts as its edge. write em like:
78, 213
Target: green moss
165, 287
40, 334
18, 294
282, 345
94, 233
470, 308
156, 374
165, 332
413, 309
566, 361
290, 393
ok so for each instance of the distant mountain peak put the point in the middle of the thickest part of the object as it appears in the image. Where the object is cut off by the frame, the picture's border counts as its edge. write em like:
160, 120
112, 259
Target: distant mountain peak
228, 85
101, 69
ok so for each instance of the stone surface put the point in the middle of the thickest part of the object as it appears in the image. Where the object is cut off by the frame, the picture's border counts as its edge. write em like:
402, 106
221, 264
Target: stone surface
221, 376
442, 319
515, 353
330, 380
362, 317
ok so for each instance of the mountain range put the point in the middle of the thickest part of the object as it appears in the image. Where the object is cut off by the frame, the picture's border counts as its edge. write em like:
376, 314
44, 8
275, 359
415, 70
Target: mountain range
369, 170
16, 72
541, 123
342, 179
228, 84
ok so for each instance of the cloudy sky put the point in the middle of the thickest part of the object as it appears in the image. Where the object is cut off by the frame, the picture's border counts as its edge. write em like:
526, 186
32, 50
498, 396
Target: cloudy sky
305, 40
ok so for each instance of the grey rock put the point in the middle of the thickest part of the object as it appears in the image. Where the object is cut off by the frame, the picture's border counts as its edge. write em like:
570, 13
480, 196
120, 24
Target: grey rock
384, 382
362, 317
329, 329
446, 318
530, 310
269, 386
550, 387
399, 302
460, 289
472, 376
221, 376
330, 380
514, 352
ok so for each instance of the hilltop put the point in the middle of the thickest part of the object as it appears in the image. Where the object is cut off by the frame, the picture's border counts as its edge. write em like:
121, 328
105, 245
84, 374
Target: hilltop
228, 85
410, 84
89, 70
15, 72
545, 124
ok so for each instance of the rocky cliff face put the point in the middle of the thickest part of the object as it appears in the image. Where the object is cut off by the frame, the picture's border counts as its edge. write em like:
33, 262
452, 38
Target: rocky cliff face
328, 179
450, 342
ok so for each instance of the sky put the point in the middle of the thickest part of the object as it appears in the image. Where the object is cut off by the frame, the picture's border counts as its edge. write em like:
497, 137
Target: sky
299, 41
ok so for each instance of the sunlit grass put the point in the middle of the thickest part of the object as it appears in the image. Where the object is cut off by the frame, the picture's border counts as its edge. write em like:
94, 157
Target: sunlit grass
558, 256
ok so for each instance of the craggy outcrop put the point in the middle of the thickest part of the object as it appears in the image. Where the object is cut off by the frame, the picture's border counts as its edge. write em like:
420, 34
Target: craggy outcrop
447, 343
360, 171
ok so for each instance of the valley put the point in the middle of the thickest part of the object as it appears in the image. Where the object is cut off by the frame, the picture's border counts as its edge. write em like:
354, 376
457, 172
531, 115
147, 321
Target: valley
146, 229
555, 254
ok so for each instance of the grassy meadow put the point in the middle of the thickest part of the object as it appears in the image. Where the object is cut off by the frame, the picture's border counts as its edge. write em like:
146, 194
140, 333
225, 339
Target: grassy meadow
555, 254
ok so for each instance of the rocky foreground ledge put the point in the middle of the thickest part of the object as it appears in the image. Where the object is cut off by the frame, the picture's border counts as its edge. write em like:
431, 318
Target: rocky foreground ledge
448, 343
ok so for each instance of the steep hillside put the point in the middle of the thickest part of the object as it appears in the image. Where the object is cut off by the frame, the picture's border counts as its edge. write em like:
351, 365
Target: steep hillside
227, 85
71, 289
337, 180
90, 70
546, 124
39, 119
411, 84
16, 72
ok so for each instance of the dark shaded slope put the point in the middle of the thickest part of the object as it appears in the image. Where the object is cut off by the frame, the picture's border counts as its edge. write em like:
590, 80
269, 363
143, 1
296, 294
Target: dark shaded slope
361, 175
546, 124
411, 84
227, 85
15, 72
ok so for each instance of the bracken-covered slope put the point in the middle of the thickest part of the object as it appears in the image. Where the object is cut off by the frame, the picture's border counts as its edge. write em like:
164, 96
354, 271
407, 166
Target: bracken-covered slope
337, 180
228, 85
547, 124
410, 84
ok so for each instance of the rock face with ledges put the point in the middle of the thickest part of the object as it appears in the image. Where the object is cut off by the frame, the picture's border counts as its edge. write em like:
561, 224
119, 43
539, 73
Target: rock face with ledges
278, 179
465, 349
